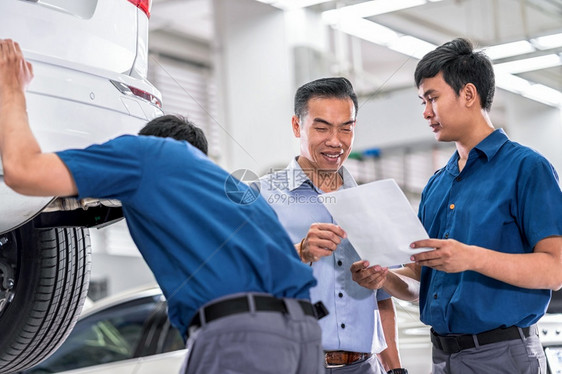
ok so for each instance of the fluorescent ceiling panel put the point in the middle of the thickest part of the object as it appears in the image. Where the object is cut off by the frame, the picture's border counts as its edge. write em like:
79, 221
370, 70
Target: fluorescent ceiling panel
411, 46
508, 50
365, 29
536, 92
544, 94
373, 8
293, 4
376, 7
530, 64
510, 82
548, 41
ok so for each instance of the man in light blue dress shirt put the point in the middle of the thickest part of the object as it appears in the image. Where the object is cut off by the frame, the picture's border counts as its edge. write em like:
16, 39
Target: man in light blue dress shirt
359, 318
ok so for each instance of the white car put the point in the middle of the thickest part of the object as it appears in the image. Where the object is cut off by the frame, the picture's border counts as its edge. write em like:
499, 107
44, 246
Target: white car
130, 333
90, 63
550, 332
414, 342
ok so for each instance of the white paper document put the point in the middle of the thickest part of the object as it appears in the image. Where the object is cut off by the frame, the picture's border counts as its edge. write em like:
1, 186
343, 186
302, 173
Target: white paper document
379, 221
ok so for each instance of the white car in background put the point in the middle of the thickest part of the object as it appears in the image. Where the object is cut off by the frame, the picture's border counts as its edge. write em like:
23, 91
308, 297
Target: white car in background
414, 343
550, 333
90, 64
129, 333
415, 346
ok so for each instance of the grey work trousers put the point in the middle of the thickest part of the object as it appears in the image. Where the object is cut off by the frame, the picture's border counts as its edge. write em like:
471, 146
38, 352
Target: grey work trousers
257, 342
369, 366
519, 356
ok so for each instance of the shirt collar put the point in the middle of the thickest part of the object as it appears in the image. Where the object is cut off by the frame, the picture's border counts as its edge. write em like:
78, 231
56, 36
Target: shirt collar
488, 147
492, 143
296, 177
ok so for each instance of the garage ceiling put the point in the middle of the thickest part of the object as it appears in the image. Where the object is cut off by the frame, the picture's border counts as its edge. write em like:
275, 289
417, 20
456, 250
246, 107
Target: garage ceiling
384, 65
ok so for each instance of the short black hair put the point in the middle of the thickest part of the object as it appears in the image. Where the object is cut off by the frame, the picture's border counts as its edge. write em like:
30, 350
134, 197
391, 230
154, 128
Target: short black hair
460, 65
326, 88
177, 127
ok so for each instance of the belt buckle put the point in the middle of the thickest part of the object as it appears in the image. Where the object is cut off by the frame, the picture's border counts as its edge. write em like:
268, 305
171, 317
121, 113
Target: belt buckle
328, 366
451, 344
331, 366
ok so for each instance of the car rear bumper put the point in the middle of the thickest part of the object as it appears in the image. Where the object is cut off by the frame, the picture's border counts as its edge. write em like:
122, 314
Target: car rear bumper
71, 106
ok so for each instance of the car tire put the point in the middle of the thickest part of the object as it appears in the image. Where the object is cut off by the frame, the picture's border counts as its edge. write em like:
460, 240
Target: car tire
52, 271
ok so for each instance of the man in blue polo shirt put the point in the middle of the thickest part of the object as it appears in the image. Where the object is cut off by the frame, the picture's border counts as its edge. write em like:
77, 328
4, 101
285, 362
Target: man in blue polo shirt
228, 270
494, 214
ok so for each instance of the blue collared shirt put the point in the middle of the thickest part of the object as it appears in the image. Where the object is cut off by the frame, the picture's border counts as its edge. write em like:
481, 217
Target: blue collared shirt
507, 198
200, 244
354, 317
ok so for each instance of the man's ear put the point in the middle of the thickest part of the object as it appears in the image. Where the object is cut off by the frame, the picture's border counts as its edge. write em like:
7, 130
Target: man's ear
470, 94
296, 126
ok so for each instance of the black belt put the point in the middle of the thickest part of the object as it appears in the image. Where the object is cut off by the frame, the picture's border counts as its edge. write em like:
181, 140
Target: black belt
456, 343
262, 303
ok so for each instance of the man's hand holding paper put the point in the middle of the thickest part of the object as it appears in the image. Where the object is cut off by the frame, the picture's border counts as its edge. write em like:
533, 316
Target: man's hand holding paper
448, 255
371, 277
321, 240
379, 222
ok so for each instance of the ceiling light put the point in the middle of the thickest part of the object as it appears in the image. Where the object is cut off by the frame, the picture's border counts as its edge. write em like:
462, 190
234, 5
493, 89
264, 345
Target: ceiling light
376, 7
365, 29
382, 35
523, 46
544, 94
373, 8
520, 86
530, 64
293, 4
548, 41
509, 49
411, 46
510, 82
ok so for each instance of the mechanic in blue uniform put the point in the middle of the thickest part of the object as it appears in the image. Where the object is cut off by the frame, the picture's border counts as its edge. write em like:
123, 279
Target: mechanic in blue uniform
228, 270
494, 214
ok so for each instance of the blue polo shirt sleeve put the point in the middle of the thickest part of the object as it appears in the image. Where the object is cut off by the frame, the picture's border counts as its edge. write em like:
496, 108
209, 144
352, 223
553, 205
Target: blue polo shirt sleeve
110, 170
539, 207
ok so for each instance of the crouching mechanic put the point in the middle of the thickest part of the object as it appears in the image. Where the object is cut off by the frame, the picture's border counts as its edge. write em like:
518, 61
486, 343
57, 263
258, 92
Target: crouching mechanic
229, 271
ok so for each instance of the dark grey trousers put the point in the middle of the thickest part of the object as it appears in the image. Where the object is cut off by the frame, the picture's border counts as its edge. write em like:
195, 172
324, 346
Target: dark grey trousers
257, 343
520, 356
